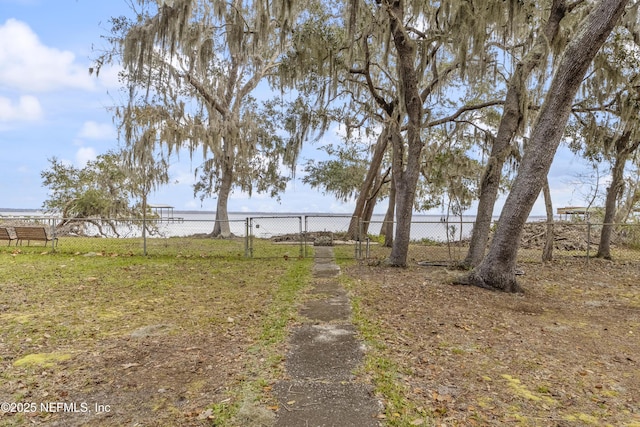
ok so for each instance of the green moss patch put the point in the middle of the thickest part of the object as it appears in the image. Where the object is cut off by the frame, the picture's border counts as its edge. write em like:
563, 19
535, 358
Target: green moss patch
44, 360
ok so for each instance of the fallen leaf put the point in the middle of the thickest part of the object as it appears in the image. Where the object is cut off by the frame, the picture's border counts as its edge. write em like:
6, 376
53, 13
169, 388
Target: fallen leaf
417, 422
206, 414
129, 365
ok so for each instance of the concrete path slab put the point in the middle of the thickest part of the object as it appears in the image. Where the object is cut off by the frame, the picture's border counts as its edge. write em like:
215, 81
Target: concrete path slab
323, 354
331, 287
324, 262
328, 310
326, 405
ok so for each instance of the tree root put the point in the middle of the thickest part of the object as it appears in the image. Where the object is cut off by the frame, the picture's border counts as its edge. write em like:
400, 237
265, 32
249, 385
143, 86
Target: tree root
503, 284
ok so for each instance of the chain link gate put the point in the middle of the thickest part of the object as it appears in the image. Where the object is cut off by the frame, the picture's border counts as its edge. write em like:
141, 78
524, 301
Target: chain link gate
284, 230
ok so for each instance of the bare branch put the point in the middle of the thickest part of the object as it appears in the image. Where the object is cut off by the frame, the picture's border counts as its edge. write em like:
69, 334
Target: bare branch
463, 110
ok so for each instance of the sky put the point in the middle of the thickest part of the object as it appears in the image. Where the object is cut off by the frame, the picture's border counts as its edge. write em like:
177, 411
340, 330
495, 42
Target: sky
51, 107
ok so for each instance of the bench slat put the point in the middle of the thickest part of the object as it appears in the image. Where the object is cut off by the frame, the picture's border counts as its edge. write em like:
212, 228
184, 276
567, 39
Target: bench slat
33, 233
6, 235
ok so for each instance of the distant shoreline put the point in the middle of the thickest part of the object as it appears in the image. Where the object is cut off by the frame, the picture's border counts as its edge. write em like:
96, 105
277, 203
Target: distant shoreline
176, 211
198, 212
429, 217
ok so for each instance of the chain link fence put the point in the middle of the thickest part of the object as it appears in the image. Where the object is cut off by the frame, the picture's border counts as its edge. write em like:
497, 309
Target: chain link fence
447, 242
285, 232
121, 237
437, 241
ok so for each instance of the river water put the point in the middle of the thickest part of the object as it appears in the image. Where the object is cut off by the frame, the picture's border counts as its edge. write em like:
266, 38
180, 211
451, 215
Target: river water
266, 225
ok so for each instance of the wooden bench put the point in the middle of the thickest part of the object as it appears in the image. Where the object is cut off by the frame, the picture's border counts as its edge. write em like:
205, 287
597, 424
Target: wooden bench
34, 233
7, 234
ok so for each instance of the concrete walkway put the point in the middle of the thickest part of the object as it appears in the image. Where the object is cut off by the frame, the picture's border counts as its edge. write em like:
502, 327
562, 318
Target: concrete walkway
323, 353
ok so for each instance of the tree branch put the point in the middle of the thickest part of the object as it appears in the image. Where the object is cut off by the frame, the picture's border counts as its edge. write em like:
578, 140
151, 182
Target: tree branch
461, 111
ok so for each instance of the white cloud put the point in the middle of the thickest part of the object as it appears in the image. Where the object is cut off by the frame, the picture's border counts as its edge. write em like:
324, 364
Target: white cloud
26, 109
181, 177
95, 130
27, 64
109, 76
84, 155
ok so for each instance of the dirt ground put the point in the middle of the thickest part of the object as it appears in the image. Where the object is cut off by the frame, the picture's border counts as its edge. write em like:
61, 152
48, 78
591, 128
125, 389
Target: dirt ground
566, 353
118, 341
162, 377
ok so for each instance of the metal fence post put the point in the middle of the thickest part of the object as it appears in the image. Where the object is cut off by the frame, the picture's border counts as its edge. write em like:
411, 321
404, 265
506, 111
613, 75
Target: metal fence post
588, 240
53, 234
360, 237
246, 237
144, 233
304, 236
250, 234
302, 243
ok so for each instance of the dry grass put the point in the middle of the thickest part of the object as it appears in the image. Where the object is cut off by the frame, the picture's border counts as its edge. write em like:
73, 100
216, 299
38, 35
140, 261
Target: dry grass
151, 341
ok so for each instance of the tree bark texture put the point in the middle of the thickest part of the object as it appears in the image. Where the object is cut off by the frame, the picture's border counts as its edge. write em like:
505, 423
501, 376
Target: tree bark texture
547, 252
221, 227
406, 177
510, 122
497, 269
631, 198
367, 186
623, 150
389, 217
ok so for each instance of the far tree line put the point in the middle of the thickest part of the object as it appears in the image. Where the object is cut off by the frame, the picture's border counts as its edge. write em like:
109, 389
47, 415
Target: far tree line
462, 98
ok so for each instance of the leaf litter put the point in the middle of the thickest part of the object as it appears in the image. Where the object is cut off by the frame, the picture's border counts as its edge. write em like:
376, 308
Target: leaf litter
565, 353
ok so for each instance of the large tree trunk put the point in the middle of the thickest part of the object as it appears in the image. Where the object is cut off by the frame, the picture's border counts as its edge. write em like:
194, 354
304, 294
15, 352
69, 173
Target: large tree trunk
389, 217
497, 269
510, 122
406, 178
366, 189
549, 238
631, 198
623, 150
370, 205
221, 227
604, 248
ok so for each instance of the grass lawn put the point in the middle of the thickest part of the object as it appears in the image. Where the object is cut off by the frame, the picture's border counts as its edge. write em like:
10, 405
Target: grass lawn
107, 338
188, 336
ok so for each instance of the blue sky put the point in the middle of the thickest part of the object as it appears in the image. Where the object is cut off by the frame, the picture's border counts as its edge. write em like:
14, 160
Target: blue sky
51, 106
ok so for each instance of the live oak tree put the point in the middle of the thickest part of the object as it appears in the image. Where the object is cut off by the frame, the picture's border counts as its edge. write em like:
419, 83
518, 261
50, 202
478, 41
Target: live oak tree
448, 173
421, 44
541, 42
608, 128
391, 47
497, 269
100, 193
343, 173
323, 64
193, 67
